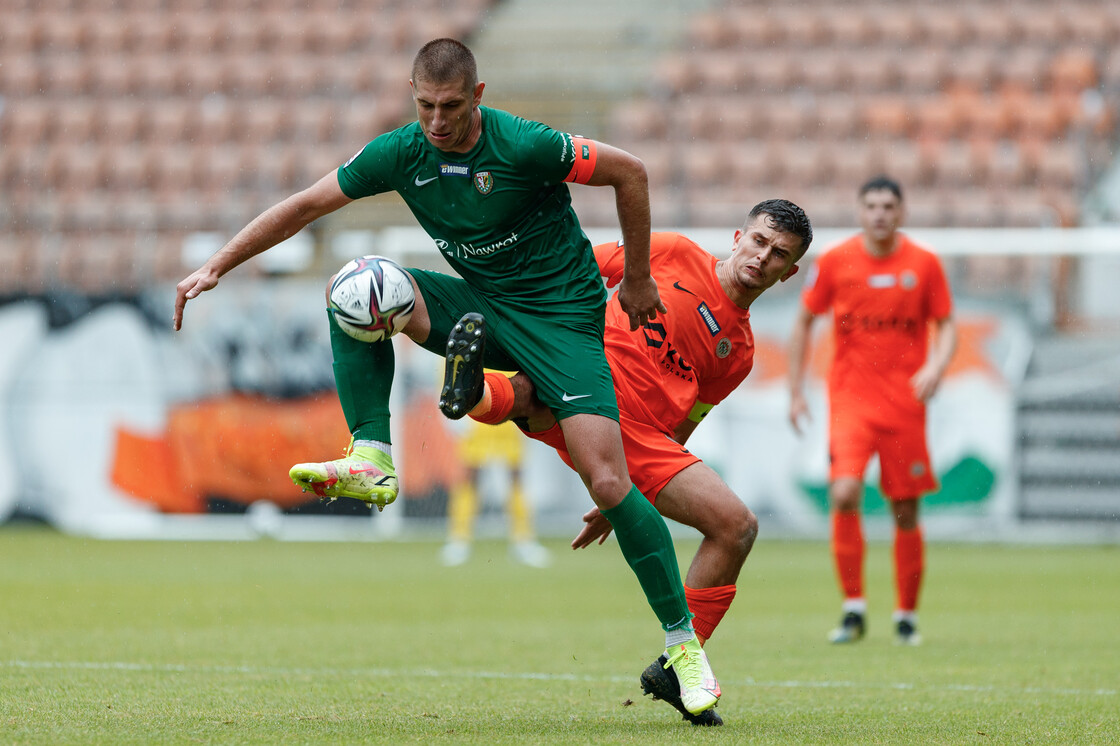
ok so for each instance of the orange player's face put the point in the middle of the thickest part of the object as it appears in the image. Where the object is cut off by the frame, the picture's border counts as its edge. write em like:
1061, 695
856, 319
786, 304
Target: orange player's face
762, 255
448, 113
880, 215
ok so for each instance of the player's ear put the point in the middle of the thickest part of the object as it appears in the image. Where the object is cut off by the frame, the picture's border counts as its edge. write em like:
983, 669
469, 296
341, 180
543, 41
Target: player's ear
790, 273
478, 93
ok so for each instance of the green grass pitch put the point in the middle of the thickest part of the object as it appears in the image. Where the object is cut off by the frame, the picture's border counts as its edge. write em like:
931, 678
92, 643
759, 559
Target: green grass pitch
267, 642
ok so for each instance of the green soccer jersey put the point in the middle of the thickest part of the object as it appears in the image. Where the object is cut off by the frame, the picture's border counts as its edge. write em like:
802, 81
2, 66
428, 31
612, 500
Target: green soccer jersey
501, 213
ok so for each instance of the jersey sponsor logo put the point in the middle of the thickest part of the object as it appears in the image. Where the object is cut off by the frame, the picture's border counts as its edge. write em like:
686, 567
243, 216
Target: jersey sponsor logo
572, 397
723, 348
709, 318
470, 250
657, 338
454, 169
483, 182
880, 282
421, 182
850, 322
678, 285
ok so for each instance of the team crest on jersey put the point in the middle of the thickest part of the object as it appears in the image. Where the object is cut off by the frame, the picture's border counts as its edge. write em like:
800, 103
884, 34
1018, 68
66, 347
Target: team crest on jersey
723, 348
484, 182
908, 280
917, 469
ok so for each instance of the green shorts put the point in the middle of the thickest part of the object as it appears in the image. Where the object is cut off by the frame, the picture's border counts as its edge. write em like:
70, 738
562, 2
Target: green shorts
562, 353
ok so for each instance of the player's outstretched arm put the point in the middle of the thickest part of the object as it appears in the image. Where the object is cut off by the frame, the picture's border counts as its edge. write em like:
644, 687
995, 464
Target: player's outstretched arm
277, 223
637, 293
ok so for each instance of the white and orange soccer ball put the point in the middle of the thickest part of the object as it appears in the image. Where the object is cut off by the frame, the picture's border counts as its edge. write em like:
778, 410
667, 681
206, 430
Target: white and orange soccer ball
371, 298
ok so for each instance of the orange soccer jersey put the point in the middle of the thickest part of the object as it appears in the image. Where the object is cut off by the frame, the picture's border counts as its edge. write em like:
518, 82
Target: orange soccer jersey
697, 353
678, 365
881, 311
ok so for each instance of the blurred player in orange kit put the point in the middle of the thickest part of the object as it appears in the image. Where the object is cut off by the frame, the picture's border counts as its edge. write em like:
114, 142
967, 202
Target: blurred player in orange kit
886, 294
670, 372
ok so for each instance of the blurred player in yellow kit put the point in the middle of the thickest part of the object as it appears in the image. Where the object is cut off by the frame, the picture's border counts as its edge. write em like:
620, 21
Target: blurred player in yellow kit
482, 447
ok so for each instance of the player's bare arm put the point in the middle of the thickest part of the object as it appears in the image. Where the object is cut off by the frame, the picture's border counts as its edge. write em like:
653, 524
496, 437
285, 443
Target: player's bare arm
798, 360
637, 293
277, 223
928, 378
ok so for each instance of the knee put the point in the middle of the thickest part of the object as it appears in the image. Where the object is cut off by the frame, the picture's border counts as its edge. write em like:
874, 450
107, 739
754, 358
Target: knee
846, 495
742, 529
607, 486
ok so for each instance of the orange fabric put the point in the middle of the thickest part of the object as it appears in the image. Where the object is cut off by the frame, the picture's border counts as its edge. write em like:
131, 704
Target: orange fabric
652, 457
904, 463
500, 391
700, 351
586, 157
708, 605
909, 564
145, 468
254, 439
848, 552
881, 310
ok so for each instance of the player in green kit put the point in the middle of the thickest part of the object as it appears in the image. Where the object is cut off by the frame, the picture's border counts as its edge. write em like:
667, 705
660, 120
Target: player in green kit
491, 190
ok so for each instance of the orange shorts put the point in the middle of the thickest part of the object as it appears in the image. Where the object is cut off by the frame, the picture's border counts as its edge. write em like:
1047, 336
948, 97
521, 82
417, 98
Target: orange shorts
652, 457
903, 454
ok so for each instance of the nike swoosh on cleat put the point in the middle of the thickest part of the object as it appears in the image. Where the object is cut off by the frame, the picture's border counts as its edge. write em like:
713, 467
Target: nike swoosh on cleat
363, 471
569, 397
677, 285
418, 182
455, 367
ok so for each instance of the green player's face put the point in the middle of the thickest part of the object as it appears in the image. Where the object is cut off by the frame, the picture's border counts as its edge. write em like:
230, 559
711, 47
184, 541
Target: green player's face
448, 113
763, 255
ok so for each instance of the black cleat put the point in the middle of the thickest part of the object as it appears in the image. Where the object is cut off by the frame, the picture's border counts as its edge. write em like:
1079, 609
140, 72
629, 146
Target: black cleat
464, 374
852, 628
662, 683
906, 633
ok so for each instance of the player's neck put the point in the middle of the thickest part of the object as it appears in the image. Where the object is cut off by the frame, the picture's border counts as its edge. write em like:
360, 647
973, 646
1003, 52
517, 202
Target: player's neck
882, 248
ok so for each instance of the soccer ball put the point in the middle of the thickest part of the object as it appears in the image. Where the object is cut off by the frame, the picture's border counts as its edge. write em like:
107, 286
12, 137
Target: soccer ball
372, 298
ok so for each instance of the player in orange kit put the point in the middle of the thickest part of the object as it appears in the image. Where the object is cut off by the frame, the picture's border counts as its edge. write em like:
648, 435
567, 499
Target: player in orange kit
885, 293
677, 367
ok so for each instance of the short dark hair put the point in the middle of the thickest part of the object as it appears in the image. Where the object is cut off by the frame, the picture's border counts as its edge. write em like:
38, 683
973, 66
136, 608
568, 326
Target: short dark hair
786, 217
445, 61
880, 183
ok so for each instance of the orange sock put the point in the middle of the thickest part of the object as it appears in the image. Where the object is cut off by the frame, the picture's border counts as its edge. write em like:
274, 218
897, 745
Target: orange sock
848, 550
708, 605
496, 402
909, 562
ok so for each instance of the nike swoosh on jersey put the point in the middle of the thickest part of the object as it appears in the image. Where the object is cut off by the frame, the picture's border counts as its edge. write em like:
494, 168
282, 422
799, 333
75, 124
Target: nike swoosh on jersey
418, 182
569, 397
677, 285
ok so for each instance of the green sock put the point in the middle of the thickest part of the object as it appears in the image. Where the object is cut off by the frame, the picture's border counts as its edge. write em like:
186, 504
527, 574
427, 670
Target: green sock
363, 373
648, 548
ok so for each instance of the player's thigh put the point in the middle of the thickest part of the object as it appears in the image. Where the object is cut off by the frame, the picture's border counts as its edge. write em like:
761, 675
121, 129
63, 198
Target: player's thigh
852, 440
564, 358
653, 458
904, 462
446, 299
697, 497
594, 444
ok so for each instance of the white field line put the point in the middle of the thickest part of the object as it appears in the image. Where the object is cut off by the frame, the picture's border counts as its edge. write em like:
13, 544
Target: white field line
376, 673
